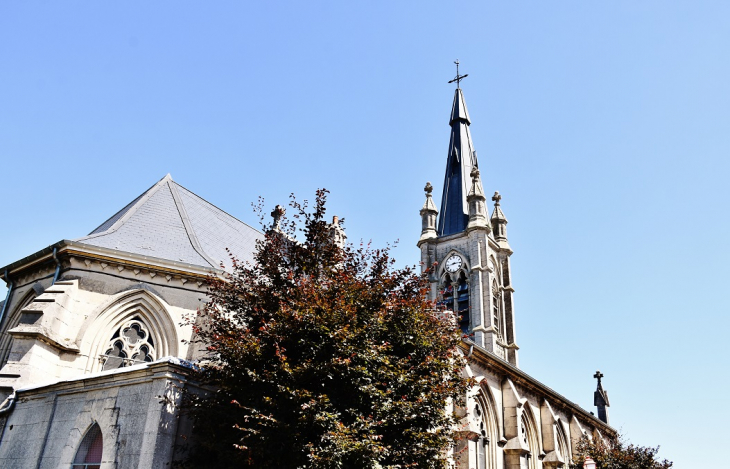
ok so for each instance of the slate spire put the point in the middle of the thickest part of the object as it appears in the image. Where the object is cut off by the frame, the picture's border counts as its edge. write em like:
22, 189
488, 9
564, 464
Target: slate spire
454, 216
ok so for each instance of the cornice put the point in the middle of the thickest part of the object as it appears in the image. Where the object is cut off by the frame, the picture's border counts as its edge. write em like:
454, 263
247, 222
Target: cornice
66, 250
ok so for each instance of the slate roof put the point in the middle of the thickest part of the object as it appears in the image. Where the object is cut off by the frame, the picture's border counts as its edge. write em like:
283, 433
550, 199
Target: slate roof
454, 215
169, 222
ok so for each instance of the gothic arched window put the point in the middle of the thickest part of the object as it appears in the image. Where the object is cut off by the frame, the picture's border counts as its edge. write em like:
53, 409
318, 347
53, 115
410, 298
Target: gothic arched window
483, 438
562, 442
529, 437
497, 310
447, 293
462, 302
454, 294
88, 456
130, 345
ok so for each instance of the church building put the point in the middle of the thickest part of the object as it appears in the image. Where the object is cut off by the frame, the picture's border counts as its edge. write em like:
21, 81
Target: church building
94, 354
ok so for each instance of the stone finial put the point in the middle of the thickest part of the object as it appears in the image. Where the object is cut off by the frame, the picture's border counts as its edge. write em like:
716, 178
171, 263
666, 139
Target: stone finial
598, 376
499, 221
428, 216
337, 233
476, 203
276, 214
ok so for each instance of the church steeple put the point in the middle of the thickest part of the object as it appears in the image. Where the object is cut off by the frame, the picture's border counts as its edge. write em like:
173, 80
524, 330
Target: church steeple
465, 256
462, 158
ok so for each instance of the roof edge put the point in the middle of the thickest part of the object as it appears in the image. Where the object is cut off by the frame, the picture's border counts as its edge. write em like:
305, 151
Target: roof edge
38, 256
64, 245
507, 368
163, 364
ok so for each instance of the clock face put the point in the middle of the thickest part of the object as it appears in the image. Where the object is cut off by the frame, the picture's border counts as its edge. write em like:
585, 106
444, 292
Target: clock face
453, 263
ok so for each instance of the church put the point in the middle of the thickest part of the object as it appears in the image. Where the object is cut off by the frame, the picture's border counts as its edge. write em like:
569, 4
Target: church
94, 354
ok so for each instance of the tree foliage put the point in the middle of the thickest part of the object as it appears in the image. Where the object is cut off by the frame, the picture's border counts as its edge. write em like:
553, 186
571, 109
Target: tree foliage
324, 355
618, 454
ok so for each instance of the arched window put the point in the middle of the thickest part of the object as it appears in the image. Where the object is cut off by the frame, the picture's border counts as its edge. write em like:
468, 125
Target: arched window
529, 437
497, 310
10, 322
446, 293
88, 456
483, 439
455, 297
462, 302
562, 442
130, 345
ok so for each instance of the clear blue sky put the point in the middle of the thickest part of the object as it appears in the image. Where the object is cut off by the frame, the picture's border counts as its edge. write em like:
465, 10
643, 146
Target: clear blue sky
604, 124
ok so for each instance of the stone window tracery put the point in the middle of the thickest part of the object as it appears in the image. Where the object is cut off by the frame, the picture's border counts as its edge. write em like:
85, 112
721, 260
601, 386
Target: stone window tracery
530, 439
454, 295
130, 345
483, 438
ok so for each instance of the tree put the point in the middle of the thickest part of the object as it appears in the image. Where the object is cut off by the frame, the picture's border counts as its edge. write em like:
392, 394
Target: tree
617, 454
323, 355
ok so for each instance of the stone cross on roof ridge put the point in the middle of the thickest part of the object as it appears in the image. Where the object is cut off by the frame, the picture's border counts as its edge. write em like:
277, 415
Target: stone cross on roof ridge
276, 214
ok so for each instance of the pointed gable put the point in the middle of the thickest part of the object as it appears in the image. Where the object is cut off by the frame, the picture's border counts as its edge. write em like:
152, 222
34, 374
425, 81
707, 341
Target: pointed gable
169, 222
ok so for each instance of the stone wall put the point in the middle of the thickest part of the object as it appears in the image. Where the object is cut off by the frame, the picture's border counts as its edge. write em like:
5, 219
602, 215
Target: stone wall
137, 409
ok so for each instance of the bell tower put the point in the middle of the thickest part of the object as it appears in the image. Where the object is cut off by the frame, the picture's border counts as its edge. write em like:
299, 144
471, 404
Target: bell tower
466, 250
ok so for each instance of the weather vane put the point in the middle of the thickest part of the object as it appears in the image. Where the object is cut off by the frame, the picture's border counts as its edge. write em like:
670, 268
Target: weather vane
458, 77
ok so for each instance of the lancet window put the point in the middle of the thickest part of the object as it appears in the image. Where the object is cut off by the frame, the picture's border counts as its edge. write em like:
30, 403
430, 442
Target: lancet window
482, 441
455, 297
88, 456
130, 345
462, 302
562, 442
497, 310
530, 439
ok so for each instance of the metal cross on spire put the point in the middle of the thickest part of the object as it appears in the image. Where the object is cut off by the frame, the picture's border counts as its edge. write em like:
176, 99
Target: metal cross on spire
458, 77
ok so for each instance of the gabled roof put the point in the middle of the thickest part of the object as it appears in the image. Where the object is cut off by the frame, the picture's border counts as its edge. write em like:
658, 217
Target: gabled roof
169, 222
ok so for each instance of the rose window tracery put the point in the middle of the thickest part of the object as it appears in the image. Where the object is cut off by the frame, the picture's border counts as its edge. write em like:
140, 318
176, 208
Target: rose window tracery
130, 345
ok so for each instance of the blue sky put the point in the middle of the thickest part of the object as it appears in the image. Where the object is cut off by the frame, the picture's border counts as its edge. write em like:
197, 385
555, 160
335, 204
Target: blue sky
604, 125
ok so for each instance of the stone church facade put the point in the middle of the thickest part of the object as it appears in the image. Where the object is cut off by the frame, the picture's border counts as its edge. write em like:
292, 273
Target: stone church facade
94, 352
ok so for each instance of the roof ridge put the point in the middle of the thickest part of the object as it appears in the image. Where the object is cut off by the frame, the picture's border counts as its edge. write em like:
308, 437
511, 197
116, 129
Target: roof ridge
188, 226
213, 205
130, 208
